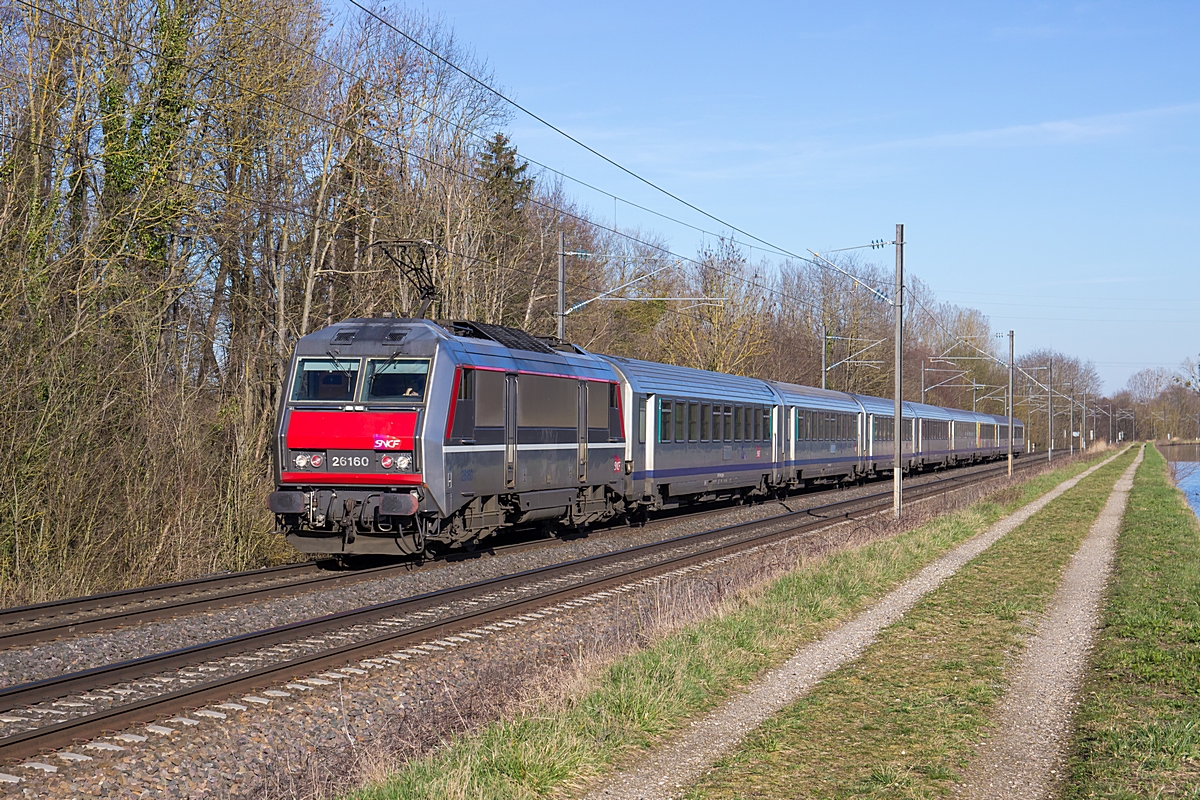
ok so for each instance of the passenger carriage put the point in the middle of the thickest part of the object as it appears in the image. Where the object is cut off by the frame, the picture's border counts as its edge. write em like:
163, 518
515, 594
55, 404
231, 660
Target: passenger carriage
699, 435
822, 435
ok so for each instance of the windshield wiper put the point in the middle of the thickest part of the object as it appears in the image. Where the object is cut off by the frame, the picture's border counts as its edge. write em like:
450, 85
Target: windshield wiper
337, 364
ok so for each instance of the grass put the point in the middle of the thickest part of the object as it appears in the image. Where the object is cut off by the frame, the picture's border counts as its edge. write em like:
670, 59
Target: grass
633, 703
1138, 731
904, 719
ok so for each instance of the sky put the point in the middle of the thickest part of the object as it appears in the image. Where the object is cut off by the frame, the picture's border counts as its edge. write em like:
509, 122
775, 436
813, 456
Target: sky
1044, 157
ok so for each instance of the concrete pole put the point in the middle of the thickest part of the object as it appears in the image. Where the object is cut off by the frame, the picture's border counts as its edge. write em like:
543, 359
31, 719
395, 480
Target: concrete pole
1010, 402
562, 286
1083, 426
897, 468
1071, 430
824, 344
1050, 400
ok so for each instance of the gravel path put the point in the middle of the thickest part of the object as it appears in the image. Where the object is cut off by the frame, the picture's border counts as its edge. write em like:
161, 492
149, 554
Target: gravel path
1026, 755
665, 772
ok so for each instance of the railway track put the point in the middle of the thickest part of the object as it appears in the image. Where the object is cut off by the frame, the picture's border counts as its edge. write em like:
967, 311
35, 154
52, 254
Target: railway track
58, 711
34, 624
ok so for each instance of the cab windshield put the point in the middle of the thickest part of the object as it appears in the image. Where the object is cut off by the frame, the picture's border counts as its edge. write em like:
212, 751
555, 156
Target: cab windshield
399, 380
326, 379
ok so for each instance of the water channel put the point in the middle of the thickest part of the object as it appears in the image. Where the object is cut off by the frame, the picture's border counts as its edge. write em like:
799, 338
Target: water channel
1185, 459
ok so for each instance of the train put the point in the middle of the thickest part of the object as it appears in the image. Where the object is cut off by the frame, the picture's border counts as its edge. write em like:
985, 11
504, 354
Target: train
403, 436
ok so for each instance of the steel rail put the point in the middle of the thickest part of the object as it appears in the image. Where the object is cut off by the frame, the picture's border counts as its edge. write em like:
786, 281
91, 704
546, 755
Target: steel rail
53, 629
71, 605
25, 743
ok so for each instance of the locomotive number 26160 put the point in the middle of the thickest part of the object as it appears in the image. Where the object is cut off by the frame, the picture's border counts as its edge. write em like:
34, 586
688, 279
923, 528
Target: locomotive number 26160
348, 462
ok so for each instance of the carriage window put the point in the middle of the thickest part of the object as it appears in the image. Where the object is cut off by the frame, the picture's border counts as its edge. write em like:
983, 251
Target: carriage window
729, 423
768, 424
326, 379
738, 417
680, 421
694, 422
664, 419
705, 422
400, 379
758, 424
642, 420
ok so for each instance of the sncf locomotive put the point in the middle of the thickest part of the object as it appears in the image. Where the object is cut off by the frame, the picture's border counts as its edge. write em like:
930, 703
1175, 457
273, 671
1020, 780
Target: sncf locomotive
397, 436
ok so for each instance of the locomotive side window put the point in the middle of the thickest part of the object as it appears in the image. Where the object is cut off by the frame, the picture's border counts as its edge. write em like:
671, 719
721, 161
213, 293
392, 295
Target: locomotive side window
547, 402
401, 380
325, 379
597, 400
616, 424
464, 407
466, 385
489, 398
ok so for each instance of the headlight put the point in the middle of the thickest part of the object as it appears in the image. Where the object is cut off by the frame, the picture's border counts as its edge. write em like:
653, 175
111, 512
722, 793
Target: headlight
404, 462
308, 460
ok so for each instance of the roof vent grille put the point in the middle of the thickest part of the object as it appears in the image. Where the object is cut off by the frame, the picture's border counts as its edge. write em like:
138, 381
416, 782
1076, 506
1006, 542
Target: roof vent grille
512, 338
345, 335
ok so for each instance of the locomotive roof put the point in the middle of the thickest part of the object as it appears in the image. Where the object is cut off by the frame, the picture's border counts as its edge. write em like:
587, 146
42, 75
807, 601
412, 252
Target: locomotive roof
372, 336
474, 343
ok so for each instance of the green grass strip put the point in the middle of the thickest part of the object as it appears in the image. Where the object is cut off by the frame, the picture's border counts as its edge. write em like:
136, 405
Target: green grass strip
643, 697
907, 716
1138, 731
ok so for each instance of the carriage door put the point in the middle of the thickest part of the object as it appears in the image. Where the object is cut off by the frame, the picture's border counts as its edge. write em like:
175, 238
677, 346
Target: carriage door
510, 431
582, 428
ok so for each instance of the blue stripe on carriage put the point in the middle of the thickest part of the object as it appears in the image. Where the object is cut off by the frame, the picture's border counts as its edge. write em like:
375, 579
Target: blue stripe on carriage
680, 472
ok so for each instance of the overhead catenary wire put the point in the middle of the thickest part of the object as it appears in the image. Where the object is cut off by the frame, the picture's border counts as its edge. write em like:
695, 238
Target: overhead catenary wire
485, 85
575, 284
434, 163
775, 250
459, 127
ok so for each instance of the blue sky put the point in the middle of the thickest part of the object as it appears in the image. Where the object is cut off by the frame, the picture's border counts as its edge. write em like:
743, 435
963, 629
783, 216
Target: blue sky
1043, 156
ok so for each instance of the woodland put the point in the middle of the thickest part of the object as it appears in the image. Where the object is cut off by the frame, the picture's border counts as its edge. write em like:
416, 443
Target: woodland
188, 186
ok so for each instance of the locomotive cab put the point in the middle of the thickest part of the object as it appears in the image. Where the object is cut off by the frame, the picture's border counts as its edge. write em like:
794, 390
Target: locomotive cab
398, 434
348, 456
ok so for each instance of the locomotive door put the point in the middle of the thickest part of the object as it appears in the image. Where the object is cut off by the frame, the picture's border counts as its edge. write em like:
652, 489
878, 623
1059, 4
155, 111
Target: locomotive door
582, 430
510, 431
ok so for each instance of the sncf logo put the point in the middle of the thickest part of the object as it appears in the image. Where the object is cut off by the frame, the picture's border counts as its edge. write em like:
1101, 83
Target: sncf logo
385, 442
